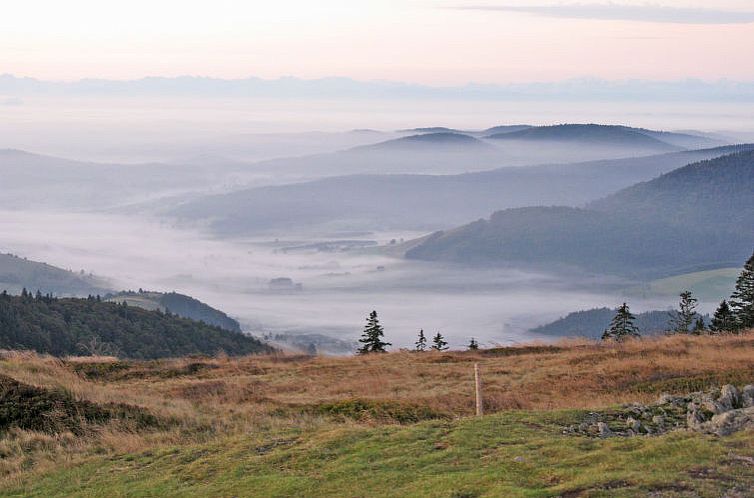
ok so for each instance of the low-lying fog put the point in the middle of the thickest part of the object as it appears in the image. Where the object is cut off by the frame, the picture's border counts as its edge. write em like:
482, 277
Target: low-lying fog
143, 129
337, 291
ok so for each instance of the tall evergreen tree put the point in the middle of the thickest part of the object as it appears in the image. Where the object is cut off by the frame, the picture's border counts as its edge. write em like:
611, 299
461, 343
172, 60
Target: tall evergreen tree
473, 345
421, 343
683, 317
742, 299
439, 343
372, 336
622, 326
723, 319
699, 326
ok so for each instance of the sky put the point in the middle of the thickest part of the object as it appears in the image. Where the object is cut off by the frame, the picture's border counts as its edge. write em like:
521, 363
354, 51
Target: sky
421, 41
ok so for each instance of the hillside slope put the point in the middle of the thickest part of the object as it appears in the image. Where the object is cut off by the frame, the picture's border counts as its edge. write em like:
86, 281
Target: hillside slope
178, 304
592, 323
391, 425
17, 273
593, 135
698, 217
426, 202
87, 326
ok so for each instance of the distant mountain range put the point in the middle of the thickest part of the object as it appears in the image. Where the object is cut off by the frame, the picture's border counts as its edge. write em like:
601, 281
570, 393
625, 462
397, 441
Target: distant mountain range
44, 182
697, 217
585, 89
426, 202
178, 304
17, 273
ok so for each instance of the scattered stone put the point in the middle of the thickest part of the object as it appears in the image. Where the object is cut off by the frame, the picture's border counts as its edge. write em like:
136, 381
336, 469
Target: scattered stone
729, 398
603, 430
729, 422
666, 399
717, 411
519, 459
747, 396
633, 425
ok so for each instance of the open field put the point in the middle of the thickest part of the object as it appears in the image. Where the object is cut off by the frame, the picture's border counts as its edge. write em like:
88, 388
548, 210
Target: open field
708, 285
384, 425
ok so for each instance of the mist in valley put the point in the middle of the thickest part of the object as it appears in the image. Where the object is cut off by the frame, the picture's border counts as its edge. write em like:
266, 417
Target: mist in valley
219, 198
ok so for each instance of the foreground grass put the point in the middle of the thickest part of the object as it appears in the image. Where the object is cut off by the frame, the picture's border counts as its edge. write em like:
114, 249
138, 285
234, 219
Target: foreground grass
511, 454
383, 425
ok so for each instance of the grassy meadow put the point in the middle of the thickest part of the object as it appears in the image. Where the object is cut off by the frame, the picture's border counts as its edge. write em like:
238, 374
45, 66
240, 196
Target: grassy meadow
398, 424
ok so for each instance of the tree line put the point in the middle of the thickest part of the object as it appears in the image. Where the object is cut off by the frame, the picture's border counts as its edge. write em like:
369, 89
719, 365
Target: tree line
731, 316
91, 326
372, 339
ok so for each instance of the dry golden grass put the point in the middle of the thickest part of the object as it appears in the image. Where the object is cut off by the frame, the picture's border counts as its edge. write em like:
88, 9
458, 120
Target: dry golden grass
568, 374
219, 396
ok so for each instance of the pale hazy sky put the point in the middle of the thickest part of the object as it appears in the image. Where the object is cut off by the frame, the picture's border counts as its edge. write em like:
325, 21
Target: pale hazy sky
423, 41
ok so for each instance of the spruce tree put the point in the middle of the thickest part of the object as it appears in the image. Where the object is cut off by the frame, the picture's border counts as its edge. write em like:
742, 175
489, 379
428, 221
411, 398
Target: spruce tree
683, 318
372, 336
723, 319
438, 343
699, 326
742, 299
622, 326
421, 343
473, 345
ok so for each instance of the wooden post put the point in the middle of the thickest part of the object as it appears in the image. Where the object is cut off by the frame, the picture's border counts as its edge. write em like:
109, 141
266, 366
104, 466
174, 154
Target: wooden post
478, 390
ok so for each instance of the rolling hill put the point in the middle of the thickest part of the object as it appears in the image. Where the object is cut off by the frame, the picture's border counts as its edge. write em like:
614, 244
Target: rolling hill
18, 273
33, 181
593, 134
697, 217
88, 326
592, 323
178, 304
441, 150
440, 139
425, 202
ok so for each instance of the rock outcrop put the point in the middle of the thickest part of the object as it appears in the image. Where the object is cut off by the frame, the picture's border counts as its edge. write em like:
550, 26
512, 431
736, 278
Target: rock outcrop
718, 411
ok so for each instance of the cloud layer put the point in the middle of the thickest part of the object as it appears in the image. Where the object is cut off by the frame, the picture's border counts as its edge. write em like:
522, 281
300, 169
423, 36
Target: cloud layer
617, 12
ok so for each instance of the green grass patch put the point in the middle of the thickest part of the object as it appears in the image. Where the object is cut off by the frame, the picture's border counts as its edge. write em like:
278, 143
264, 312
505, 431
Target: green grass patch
510, 454
692, 383
363, 410
709, 285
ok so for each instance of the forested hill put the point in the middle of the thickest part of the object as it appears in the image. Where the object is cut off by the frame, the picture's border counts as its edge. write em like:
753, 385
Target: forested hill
17, 273
88, 326
698, 217
179, 304
592, 323
718, 193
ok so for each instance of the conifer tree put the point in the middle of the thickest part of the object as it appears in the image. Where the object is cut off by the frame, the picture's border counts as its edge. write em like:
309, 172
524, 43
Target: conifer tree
723, 319
372, 336
683, 318
421, 343
622, 326
742, 299
473, 345
439, 343
699, 326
